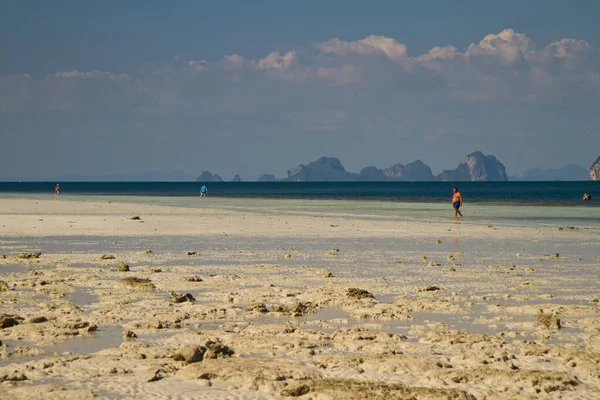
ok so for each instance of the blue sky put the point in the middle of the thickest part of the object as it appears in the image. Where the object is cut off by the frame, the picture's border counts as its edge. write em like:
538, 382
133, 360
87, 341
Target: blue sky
242, 87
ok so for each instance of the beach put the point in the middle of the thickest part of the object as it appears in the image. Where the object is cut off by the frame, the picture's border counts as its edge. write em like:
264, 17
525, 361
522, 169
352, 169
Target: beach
156, 298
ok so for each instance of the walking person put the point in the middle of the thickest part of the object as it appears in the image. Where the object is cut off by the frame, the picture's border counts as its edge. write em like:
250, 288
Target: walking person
57, 190
203, 191
457, 202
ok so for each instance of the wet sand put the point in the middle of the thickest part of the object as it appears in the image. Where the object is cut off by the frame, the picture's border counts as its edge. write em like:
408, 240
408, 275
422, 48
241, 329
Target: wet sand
315, 304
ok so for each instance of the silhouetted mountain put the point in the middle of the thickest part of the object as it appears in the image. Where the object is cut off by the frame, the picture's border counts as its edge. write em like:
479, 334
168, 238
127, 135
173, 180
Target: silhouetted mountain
415, 171
206, 176
595, 170
570, 172
324, 169
267, 178
477, 167
236, 178
371, 174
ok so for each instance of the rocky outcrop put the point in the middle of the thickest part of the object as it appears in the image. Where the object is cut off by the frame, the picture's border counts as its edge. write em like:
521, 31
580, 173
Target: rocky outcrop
206, 176
595, 170
477, 167
324, 169
370, 174
415, 171
267, 178
236, 178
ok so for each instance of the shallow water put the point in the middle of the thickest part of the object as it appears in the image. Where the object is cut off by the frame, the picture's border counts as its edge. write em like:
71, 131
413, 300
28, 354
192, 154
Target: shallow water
580, 214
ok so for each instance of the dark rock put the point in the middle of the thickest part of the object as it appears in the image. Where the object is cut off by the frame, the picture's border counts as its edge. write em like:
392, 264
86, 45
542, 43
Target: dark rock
14, 377
429, 289
477, 167
8, 320
154, 375
123, 267
295, 310
548, 320
37, 320
148, 252
324, 169
415, 171
192, 253
217, 350
107, 257
193, 279
258, 307
595, 170
267, 178
359, 294
4, 287
30, 255
136, 218
181, 298
139, 283
190, 354
129, 335
371, 174
295, 391
82, 325
207, 176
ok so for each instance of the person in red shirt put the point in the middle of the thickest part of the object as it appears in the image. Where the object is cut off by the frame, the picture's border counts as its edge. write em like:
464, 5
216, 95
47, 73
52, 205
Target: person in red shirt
57, 190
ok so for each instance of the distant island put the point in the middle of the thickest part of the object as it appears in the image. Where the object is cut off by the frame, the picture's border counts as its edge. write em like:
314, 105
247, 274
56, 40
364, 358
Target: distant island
595, 170
476, 167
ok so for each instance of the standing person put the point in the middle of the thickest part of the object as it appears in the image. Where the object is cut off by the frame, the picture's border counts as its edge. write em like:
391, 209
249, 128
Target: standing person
203, 191
457, 202
57, 190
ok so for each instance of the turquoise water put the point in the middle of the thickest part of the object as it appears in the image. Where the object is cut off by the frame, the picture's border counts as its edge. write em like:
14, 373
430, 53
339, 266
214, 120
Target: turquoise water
578, 214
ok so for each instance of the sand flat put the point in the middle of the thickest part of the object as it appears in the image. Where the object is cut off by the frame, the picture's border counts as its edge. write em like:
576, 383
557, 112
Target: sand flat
438, 308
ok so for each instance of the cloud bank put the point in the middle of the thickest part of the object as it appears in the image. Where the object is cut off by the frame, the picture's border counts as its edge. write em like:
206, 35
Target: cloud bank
347, 93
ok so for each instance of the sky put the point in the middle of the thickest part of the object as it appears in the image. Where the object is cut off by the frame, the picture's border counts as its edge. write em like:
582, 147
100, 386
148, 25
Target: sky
250, 87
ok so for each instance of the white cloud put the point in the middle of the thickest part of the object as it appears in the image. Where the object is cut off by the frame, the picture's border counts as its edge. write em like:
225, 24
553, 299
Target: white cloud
439, 53
507, 46
504, 66
198, 66
234, 60
275, 61
372, 44
567, 48
97, 75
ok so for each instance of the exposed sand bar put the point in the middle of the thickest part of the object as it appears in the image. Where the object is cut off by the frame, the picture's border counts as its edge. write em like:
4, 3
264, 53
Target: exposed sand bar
444, 309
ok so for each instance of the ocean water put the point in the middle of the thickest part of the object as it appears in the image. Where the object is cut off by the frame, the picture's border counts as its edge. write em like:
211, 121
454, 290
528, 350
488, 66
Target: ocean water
527, 193
557, 204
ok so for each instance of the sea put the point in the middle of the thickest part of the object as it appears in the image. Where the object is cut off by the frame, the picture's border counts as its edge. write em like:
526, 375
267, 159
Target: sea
524, 193
556, 204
